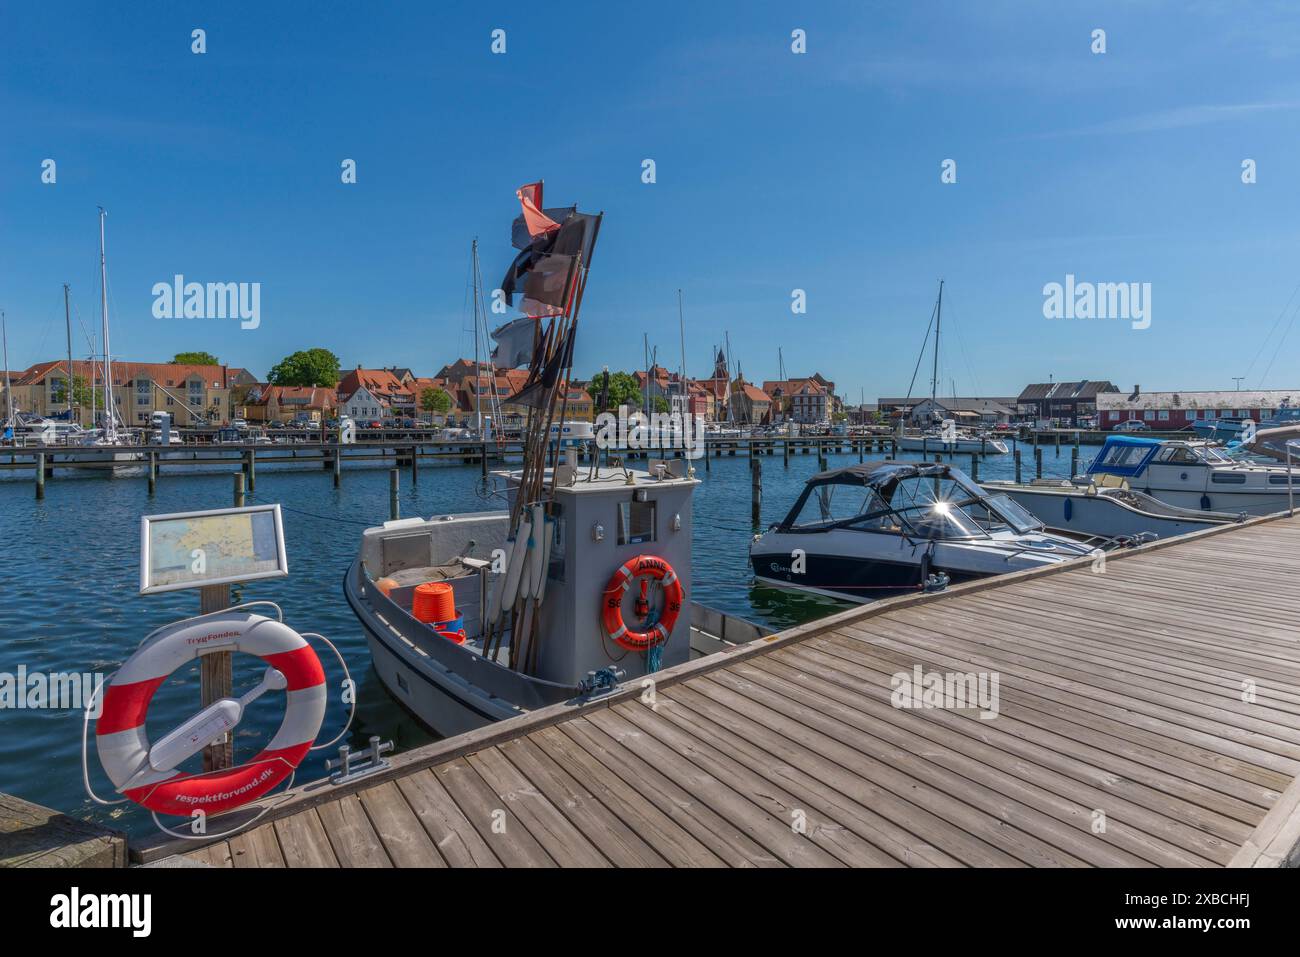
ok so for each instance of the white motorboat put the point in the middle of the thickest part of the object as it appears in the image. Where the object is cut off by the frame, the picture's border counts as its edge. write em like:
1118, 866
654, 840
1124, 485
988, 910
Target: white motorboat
1109, 509
863, 531
1194, 475
934, 443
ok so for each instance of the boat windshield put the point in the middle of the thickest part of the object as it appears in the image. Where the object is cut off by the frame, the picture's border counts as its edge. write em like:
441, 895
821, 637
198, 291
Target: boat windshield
930, 507
836, 504
1212, 456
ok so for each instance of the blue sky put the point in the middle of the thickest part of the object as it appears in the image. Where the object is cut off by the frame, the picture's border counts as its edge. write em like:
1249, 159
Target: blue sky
775, 172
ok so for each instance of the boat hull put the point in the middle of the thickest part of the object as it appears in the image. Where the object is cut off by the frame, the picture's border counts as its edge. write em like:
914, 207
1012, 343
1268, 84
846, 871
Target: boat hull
928, 445
1074, 511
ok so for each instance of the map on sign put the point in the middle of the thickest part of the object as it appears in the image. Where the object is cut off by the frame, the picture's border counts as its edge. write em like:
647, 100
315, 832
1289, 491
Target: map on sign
193, 549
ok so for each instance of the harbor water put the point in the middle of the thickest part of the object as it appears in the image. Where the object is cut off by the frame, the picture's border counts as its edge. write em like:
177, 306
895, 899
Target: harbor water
71, 604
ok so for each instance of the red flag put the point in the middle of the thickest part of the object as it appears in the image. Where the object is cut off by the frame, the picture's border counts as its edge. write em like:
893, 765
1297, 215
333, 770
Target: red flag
530, 197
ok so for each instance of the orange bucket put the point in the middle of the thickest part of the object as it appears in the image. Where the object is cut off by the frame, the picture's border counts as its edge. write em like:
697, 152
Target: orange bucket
433, 601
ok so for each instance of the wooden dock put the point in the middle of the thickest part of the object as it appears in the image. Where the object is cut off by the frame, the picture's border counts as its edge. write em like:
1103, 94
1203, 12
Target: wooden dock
1148, 714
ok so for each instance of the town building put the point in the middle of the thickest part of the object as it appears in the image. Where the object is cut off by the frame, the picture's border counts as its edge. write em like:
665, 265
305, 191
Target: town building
750, 405
310, 405
1172, 411
809, 401
194, 395
1066, 402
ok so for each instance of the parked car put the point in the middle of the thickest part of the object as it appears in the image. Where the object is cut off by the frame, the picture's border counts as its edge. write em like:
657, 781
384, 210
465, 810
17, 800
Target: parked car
1132, 425
239, 424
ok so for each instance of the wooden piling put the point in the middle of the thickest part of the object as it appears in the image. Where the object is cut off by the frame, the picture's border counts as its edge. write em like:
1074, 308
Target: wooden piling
239, 489
338, 465
251, 468
153, 472
1074, 461
40, 476
975, 466
1038, 461
394, 511
415, 466
756, 493
1017, 457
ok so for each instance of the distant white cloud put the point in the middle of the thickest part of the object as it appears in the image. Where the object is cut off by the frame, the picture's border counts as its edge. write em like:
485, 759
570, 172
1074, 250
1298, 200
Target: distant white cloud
1177, 118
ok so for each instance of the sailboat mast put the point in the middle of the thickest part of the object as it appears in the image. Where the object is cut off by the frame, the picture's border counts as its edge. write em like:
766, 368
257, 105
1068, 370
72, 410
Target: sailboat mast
681, 328
478, 373
938, 317
9, 392
110, 411
67, 321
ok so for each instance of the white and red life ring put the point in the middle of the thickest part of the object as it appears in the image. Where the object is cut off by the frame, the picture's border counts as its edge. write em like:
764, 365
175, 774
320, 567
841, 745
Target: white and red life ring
641, 567
123, 743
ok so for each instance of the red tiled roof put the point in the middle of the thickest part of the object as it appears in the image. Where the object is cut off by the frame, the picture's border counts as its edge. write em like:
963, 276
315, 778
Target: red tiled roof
166, 374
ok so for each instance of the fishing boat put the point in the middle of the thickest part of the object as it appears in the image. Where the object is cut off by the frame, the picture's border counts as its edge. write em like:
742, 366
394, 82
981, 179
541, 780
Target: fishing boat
582, 580
1109, 509
866, 530
1192, 474
554, 586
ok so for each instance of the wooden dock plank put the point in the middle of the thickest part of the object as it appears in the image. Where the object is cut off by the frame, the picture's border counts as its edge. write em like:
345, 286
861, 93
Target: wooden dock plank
675, 843
644, 782
451, 832
1063, 788
258, 847
397, 827
303, 841
717, 758
839, 794
504, 833
351, 835
564, 842
618, 842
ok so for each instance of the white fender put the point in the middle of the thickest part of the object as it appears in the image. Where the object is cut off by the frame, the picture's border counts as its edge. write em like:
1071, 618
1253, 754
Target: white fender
516, 565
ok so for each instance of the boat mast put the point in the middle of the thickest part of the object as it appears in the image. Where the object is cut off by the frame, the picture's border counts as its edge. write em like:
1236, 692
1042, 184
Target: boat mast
681, 328
9, 392
478, 373
110, 411
938, 318
727, 365
67, 320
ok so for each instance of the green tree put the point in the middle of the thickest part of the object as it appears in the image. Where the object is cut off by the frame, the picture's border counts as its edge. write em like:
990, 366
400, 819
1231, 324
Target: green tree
195, 359
80, 393
660, 404
435, 400
623, 390
307, 367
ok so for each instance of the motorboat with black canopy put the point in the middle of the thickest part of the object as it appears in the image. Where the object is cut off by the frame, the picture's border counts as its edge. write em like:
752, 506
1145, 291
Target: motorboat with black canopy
864, 530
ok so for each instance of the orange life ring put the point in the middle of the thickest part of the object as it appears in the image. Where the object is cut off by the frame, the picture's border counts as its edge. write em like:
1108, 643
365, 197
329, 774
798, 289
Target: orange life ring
642, 565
